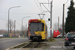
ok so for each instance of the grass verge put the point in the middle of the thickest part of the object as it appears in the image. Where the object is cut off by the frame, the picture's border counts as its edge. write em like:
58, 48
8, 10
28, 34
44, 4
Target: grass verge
43, 45
19, 46
51, 40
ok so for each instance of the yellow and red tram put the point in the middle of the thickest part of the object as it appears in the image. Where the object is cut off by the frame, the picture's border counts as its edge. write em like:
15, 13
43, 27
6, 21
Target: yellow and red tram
37, 29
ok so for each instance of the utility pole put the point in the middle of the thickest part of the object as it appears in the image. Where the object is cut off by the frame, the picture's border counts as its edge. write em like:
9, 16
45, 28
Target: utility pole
51, 20
40, 16
14, 26
63, 22
10, 26
58, 22
50, 16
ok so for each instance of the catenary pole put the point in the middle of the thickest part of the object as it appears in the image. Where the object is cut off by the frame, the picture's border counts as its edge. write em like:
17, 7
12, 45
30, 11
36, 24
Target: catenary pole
51, 21
14, 26
63, 22
58, 22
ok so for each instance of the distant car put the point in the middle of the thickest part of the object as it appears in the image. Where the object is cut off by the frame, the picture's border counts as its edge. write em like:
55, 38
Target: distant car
56, 33
1, 35
70, 39
59, 36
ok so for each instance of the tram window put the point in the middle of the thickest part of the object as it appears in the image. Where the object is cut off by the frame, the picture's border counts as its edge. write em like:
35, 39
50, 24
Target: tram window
36, 27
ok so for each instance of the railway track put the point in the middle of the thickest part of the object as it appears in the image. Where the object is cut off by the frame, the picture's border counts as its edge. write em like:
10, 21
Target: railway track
31, 45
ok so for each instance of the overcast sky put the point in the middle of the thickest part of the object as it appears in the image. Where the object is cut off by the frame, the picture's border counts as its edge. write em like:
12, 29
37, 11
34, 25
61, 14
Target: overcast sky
30, 8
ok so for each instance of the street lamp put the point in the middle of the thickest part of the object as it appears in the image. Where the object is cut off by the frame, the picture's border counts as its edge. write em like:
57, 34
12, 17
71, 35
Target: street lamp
8, 15
22, 22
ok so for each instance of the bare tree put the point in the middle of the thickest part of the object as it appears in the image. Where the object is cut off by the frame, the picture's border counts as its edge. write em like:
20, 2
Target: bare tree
24, 30
11, 25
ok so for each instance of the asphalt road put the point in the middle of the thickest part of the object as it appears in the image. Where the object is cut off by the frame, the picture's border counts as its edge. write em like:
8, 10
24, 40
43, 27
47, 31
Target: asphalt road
9, 42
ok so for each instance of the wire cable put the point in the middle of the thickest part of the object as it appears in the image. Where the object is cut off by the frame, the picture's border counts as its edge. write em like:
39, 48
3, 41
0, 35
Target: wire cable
40, 6
3, 19
37, 5
66, 1
57, 9
30, 13
17, 13
18, 23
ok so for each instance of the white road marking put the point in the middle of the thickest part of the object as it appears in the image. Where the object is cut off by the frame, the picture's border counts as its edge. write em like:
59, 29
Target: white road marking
9, 40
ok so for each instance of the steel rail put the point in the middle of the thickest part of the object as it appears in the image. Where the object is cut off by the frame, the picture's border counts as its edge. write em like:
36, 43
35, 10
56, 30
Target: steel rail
31, 43
27, 45
35, 46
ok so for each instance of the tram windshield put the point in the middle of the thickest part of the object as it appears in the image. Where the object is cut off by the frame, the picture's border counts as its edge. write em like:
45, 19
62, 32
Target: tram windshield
36, 27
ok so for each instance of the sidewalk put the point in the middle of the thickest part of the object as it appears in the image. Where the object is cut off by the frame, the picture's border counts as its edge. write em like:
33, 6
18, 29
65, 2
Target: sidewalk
58, 45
